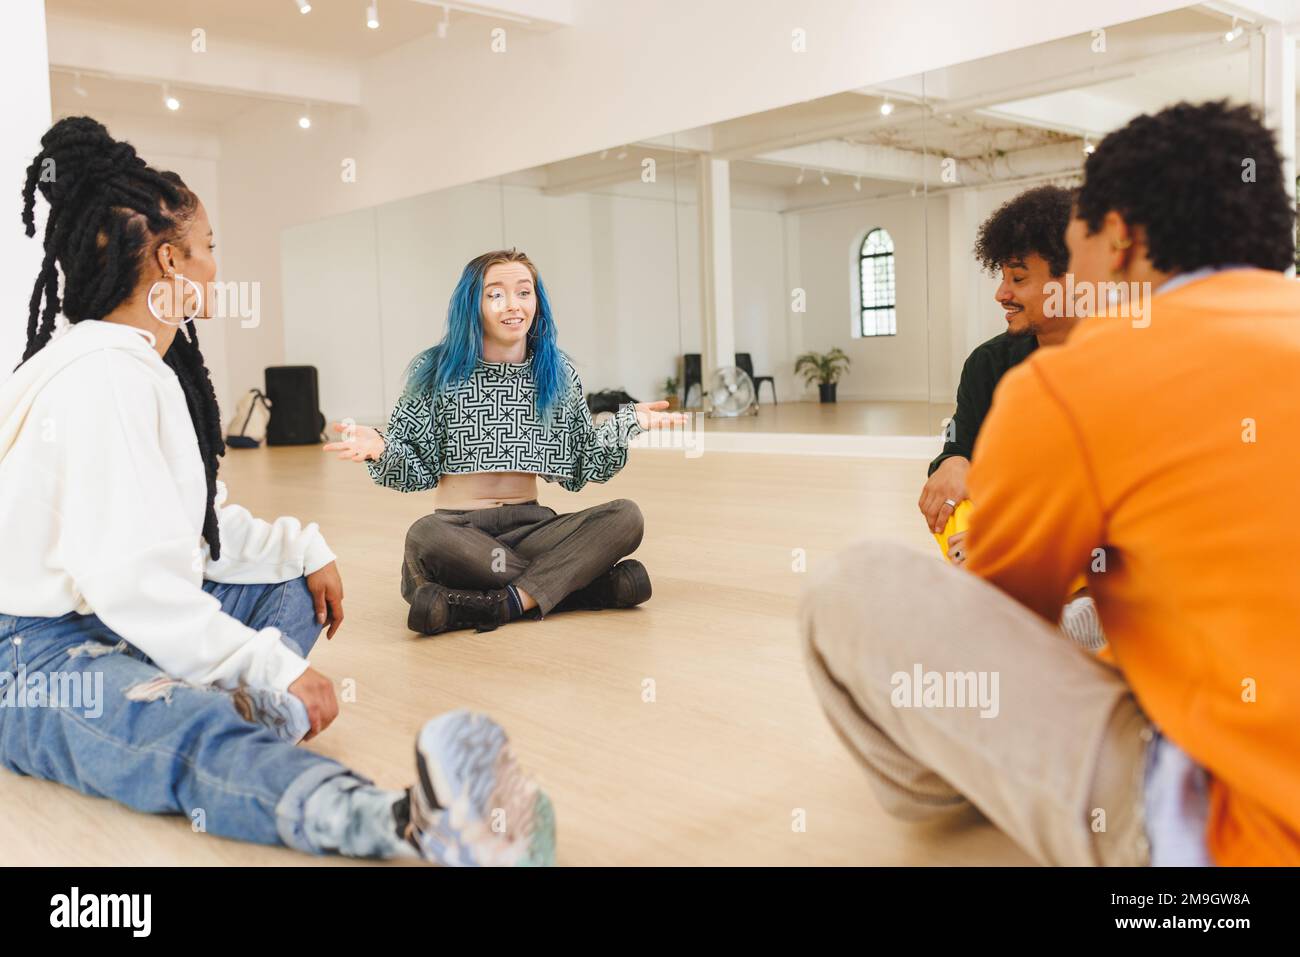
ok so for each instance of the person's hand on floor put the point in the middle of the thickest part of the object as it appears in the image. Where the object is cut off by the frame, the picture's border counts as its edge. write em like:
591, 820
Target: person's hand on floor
946, 485
326, 587
360, 443
316, 692
650, 416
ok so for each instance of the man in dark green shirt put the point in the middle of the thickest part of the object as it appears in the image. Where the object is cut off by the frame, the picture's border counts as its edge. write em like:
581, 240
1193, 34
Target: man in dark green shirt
1025, 239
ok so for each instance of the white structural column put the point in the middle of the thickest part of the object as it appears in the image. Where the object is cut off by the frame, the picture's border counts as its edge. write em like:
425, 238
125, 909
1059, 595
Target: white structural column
716, 310
964, 329
1273, 55
25, 74
794, 324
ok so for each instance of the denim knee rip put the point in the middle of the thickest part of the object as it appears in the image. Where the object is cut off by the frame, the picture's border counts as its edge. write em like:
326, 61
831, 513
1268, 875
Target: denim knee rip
157, 688
96, 649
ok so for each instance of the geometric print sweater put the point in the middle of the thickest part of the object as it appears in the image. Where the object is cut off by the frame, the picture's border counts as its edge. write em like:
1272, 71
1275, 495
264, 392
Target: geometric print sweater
489, 423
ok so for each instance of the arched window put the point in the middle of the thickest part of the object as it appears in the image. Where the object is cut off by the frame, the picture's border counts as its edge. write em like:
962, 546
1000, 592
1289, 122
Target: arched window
876, 279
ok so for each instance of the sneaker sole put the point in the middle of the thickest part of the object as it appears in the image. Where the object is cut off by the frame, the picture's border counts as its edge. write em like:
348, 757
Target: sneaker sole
488, 811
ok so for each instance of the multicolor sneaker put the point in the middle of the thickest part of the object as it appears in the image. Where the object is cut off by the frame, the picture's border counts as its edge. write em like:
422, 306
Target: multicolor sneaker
473, 805
282, 712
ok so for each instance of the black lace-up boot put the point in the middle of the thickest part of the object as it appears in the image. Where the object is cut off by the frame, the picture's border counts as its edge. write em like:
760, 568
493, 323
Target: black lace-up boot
435, 609
624, 585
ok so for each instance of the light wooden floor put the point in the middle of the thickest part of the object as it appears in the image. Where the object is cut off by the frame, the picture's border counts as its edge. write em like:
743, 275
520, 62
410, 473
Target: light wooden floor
710, 773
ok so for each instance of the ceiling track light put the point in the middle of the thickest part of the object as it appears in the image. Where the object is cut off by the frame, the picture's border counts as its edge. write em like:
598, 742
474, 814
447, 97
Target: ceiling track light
304, 121
1234, 33
622, 154
372, 15
170, 101
857, 184
303, 6
825, 181
1088, 147
77, 88
444, 23
886, 108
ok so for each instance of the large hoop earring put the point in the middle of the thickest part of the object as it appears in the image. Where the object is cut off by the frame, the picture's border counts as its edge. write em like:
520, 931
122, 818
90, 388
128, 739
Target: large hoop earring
198, 297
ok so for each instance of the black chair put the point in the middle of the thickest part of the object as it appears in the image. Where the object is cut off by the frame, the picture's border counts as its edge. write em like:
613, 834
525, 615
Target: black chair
746, 365
692, 374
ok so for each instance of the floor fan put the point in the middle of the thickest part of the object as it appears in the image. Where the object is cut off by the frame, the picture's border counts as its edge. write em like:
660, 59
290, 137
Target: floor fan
731, 393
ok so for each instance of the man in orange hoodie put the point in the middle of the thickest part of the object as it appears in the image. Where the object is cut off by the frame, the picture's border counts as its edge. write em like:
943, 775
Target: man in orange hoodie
1146, 451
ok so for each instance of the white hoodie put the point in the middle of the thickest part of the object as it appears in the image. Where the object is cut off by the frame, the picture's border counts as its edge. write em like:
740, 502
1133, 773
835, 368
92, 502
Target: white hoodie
102, 498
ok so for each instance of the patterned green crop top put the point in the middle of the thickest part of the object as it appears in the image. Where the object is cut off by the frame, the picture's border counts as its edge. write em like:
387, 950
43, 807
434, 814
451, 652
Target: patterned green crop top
489, 423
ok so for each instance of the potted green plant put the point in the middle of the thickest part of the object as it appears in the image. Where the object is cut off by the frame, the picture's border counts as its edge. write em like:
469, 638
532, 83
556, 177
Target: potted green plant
670, 392
824, 368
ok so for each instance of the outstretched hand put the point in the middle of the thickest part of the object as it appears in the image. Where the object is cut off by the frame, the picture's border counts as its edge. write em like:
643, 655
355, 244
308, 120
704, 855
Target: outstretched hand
359, 444
649, 415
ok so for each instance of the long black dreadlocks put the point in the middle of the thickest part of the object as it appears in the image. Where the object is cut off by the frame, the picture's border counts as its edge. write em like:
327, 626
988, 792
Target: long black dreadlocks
109, 213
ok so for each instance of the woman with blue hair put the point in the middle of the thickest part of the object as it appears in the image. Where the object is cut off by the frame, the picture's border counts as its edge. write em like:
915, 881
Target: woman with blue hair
486, 411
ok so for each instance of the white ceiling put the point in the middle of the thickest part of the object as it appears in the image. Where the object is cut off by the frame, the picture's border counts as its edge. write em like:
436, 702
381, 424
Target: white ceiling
334, 28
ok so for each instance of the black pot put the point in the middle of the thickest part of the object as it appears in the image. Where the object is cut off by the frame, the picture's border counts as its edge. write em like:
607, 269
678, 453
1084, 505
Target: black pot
827, 391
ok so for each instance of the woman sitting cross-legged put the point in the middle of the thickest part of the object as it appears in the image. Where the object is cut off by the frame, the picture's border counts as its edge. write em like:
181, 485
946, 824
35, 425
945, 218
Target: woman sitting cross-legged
484, 412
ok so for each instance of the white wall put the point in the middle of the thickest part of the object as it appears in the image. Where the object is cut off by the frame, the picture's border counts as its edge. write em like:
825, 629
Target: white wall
335, 303
364, 292
912, 364
26, 116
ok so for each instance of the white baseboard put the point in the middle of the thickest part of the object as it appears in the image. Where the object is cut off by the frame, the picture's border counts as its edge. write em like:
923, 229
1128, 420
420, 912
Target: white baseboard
923, 447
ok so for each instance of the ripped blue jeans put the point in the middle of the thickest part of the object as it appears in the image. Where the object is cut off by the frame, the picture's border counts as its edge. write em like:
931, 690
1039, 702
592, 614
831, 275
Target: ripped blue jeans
81, 707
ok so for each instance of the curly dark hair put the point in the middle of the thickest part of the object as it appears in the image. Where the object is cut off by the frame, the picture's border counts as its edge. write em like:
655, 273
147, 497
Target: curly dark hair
1033, 222
109, 211
1182, 175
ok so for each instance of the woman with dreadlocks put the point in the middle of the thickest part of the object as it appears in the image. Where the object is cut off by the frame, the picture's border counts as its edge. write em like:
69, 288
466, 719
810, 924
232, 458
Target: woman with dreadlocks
172, 626
486, 411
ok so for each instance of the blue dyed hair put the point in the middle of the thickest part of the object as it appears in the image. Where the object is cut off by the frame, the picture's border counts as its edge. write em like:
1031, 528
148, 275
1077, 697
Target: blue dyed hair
452, 360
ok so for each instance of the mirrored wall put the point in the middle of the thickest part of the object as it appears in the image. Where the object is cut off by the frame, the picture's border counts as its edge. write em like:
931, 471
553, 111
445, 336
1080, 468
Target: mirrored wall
843, 223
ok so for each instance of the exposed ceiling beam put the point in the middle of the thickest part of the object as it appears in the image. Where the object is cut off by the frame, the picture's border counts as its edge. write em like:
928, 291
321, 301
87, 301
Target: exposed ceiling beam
585, 174
698, 140
856, 159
